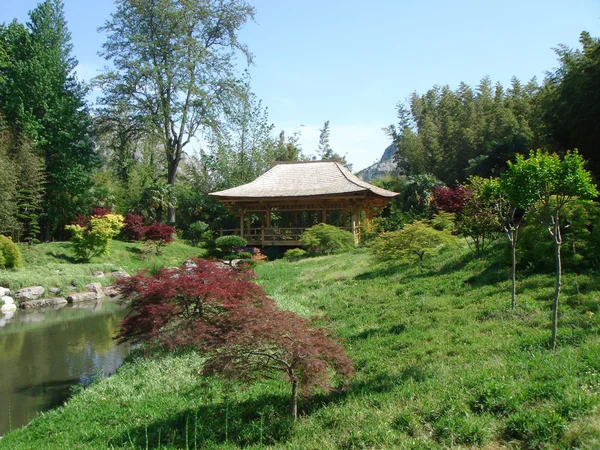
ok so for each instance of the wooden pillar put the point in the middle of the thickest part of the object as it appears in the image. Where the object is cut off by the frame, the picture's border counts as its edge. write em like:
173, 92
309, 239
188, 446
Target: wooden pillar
356, 222
324, 214
242, 222
268, 217
345, 218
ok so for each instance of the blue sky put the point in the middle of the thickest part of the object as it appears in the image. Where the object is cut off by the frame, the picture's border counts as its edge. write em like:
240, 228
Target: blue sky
350, 62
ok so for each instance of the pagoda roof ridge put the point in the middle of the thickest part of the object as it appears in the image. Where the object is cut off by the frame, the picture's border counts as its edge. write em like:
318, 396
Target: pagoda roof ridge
304, 179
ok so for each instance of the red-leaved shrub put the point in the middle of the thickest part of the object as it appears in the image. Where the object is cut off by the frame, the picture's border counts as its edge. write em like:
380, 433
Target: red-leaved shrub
450, 200
98, 211
134, 227
82, 220
242, 332
159, 235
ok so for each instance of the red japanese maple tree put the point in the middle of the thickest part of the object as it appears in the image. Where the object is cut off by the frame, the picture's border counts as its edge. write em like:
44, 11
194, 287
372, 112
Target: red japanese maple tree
222, 313
450, 200
134, 227
159, 235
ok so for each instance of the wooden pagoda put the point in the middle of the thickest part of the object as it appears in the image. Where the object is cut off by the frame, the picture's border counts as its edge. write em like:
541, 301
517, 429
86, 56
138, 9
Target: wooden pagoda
278, 206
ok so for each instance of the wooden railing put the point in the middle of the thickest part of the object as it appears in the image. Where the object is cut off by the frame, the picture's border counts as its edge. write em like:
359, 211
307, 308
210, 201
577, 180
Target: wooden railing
269, 236
274, 236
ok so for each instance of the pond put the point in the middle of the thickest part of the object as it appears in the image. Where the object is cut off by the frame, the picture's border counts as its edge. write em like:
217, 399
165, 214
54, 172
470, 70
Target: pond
45, 353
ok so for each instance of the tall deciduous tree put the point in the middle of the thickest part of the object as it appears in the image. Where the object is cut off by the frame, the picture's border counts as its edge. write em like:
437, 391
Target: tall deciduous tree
244, 147
553, 182
174, 64
324, 150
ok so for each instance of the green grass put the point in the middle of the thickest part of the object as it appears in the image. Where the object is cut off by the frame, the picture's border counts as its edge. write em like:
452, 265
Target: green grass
52, 264
442, 362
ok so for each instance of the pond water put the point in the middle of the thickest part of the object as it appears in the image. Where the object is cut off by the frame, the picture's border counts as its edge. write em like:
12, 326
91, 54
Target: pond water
45, 353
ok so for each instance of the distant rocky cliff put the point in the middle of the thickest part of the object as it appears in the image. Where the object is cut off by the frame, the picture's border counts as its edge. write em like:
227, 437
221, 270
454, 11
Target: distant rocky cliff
380, 169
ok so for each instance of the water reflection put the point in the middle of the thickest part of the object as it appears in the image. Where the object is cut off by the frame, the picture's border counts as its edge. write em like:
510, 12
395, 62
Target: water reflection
43, 354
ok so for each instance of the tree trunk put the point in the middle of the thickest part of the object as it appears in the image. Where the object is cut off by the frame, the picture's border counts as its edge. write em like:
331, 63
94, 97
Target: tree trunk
173, 158
558, 242
295, 399
47, 229
513, 243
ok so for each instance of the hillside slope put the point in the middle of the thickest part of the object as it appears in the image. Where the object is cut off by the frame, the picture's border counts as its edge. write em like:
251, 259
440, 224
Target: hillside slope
441, 360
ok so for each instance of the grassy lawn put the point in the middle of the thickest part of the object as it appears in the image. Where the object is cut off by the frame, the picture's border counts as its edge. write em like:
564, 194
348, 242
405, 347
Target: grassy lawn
441, 360
52, 264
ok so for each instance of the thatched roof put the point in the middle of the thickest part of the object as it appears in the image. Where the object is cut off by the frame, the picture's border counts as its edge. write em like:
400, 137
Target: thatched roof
303, 179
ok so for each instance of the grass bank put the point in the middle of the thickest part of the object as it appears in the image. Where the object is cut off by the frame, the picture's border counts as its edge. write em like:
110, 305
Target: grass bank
442, 362
52, 264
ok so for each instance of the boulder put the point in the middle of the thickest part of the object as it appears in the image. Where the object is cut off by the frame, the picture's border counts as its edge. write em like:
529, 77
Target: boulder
96, 288
54, 290
111, 291
82, 297
30, 293
4, 291
119, 274
98, 274
8, 304
44, 303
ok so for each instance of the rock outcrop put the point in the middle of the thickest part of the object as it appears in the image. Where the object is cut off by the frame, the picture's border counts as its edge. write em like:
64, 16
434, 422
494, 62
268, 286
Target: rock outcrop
44, 303
385, 166
96, 288
30, 293
82, 297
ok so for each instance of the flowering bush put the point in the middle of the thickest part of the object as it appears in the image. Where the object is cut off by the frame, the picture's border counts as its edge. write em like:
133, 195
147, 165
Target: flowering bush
95, 238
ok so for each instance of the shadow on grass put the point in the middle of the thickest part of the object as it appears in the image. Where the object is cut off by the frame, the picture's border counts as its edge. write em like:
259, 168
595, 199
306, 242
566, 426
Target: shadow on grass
262, 421
265, 421
384, 382
380, 272
134, 250
372, 332
63, 257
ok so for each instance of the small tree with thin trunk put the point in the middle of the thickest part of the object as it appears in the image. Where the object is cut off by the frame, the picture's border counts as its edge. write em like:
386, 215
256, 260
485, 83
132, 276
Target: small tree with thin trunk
268, 340
510, 205
552, 182
222, 314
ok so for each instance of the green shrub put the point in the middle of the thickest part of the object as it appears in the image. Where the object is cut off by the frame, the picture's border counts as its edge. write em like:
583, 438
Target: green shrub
415, 239
95, 239
10, 255
444, 221
228, 243
228, 246
323, 238
243, 255
198, 231
294, 254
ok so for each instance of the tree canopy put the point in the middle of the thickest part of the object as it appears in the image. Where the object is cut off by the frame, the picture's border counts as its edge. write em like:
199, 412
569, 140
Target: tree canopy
174, 66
